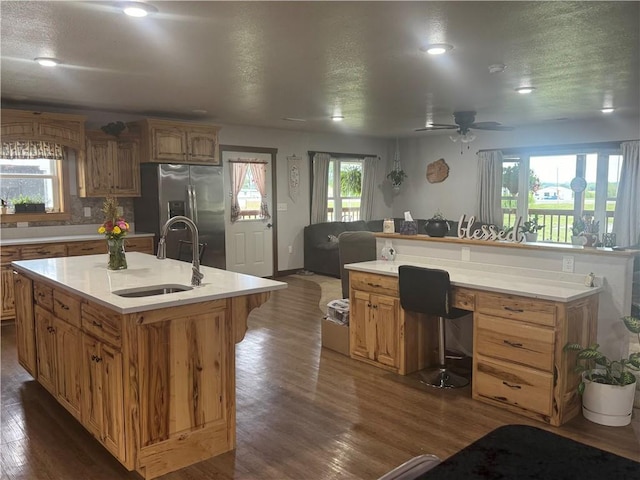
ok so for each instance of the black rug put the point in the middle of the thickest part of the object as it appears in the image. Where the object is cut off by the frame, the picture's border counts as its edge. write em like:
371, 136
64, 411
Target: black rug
522, 452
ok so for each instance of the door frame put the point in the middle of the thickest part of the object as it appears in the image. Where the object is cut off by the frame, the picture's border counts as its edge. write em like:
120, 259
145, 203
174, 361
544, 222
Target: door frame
274, 191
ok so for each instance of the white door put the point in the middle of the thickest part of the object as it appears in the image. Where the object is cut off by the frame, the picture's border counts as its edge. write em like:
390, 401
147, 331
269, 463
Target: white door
249, 239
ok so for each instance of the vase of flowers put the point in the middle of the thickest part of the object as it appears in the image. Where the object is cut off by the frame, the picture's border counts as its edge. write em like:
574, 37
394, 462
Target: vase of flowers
114, 229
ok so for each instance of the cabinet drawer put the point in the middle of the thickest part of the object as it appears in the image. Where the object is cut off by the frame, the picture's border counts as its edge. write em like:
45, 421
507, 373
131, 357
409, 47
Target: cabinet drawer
521, 386
517, 308
66, 307
373, 283
31, 252
43, 295
102, 323
514, 341
463, 298
86, 248
9, 254
141, 244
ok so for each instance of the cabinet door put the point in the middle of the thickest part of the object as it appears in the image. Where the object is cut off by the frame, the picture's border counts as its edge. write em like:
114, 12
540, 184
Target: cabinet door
8, 305
25, 327
168, 144
91, 411
126, 169
360, 329
203, 147
46, 349
112, 400
386, 313
69, 365
98, 165
90, 247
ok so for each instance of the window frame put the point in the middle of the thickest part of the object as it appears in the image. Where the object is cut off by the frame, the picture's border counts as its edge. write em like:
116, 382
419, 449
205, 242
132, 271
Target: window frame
336, 161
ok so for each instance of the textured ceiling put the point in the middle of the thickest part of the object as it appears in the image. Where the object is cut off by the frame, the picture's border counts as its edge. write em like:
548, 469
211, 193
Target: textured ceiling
254, 63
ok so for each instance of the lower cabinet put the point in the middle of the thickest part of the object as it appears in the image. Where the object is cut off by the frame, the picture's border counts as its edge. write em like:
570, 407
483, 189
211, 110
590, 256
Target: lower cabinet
375, 333
102, 399
25, 327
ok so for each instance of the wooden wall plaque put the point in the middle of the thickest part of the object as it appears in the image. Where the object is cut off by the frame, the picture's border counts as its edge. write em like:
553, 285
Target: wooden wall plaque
437, 171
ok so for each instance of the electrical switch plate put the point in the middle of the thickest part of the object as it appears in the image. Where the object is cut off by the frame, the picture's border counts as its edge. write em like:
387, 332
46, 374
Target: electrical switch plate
465, 254
567, 264
290, 249
120, 211
282, 207
87, 211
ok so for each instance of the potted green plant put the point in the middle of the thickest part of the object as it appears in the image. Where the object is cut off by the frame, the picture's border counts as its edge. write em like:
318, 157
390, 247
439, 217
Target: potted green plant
530, 229
27, 204
437, 226
396, 177
3, 206
590, 232
576, 229
608, 386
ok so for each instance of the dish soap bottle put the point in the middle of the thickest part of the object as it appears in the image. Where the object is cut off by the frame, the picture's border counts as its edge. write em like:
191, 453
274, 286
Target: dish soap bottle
388, 252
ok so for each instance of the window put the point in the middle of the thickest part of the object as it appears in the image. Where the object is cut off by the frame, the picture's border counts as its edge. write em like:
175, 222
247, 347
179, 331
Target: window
249, 198
545, 181
39, 179
344, 189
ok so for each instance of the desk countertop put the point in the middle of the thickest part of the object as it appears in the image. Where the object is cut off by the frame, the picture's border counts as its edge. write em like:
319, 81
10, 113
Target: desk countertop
88, 277
63, 239
485, 277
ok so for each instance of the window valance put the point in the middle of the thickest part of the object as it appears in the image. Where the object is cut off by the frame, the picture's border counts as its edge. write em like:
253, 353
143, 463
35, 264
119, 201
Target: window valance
32, 149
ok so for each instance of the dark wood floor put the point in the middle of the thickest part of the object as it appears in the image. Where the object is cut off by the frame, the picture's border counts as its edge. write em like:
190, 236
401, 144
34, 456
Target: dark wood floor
303, 413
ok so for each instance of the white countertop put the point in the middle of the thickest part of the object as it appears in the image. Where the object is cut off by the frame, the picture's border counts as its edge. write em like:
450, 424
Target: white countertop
88, 277
63, 238
485, 277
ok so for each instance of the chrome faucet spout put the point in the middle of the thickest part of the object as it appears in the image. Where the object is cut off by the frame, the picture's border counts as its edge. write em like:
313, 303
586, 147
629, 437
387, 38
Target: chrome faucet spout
196, 275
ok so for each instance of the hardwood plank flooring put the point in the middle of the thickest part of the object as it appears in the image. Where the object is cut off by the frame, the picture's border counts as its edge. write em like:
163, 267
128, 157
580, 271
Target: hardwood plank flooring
303, 412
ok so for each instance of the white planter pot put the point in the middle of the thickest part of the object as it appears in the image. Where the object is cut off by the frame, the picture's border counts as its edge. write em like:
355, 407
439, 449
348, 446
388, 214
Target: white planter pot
531, 237
608, 404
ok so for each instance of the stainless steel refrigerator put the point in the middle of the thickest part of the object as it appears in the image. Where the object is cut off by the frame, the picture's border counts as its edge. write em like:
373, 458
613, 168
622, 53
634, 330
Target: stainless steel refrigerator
196, 191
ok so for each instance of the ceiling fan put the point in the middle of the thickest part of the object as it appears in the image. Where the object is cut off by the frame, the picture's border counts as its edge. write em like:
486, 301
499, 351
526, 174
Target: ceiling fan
464, 122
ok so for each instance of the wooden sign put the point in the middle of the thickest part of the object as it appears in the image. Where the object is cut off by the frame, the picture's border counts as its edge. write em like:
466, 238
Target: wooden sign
437, 171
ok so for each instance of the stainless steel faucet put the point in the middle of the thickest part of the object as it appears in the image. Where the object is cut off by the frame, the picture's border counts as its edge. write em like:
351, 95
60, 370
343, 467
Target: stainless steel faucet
196, 276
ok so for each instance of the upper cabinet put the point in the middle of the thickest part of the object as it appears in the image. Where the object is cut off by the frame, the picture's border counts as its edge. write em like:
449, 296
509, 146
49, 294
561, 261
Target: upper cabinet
111, 166
60, 128
177, 142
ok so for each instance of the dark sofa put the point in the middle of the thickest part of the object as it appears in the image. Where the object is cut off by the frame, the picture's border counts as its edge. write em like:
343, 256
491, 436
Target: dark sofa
321, 241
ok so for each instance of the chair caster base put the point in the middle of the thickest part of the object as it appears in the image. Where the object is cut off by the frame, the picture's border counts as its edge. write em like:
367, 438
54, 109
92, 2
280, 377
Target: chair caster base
443, 378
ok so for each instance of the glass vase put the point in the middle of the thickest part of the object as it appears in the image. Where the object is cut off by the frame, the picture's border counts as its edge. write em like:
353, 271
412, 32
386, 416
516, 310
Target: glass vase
117, 257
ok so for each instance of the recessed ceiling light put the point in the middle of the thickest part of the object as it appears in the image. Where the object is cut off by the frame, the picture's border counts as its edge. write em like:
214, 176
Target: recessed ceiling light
608, 110
525, 90
497, 68
138, 9
292, 119
47, 61
337, 118
437, 48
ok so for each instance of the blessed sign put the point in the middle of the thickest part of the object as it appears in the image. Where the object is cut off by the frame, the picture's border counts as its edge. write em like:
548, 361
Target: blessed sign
489, 232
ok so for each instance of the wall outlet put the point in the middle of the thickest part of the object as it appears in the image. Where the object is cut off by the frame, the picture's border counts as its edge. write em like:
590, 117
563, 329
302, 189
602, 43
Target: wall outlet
465, 254
290, 249
22, 224
87, 211
120, 211
567, 264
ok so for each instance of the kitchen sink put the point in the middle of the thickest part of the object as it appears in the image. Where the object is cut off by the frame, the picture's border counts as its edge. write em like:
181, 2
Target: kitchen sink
151, 290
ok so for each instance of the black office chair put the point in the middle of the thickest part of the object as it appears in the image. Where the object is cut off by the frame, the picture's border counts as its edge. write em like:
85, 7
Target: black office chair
185, 252
427, 290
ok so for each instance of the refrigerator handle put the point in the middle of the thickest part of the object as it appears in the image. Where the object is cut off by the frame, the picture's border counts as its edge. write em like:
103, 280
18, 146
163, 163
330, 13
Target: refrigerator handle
189, 212
194, 205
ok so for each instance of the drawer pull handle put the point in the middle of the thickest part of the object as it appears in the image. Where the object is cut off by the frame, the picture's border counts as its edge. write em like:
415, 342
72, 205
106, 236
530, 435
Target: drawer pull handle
375, 306
96, 359
96, 324
515, 387
368, 305
375, 285
512, 344
64, 307
503, 399
511, 309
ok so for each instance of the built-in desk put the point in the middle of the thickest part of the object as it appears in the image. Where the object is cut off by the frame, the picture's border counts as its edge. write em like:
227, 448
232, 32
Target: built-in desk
521, 324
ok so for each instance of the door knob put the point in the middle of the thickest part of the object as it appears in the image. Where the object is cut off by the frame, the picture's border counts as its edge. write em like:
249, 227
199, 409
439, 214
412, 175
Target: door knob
269, 225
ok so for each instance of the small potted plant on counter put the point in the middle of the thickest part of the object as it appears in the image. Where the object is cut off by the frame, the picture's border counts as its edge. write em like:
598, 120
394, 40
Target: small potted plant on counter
590, 232
576, 229
530, 229
27, 204
3, 206
608, 387
437, 226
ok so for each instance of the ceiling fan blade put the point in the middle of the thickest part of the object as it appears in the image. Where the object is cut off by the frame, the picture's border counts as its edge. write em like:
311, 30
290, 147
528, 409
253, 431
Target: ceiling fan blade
437, 126
490, 126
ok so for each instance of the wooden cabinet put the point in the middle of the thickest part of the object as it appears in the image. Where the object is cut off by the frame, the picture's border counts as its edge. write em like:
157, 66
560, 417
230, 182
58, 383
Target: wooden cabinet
59, 128
374, 331
111, 166
25, 326
177, 142
102, 399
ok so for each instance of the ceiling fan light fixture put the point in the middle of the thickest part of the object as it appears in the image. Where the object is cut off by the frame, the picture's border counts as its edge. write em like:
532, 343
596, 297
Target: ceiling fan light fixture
437, 48
47, 61
138, 9
525, 90
608, 110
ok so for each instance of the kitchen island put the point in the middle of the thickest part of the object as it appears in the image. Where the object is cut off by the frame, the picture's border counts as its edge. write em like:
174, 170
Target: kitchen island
151, 377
